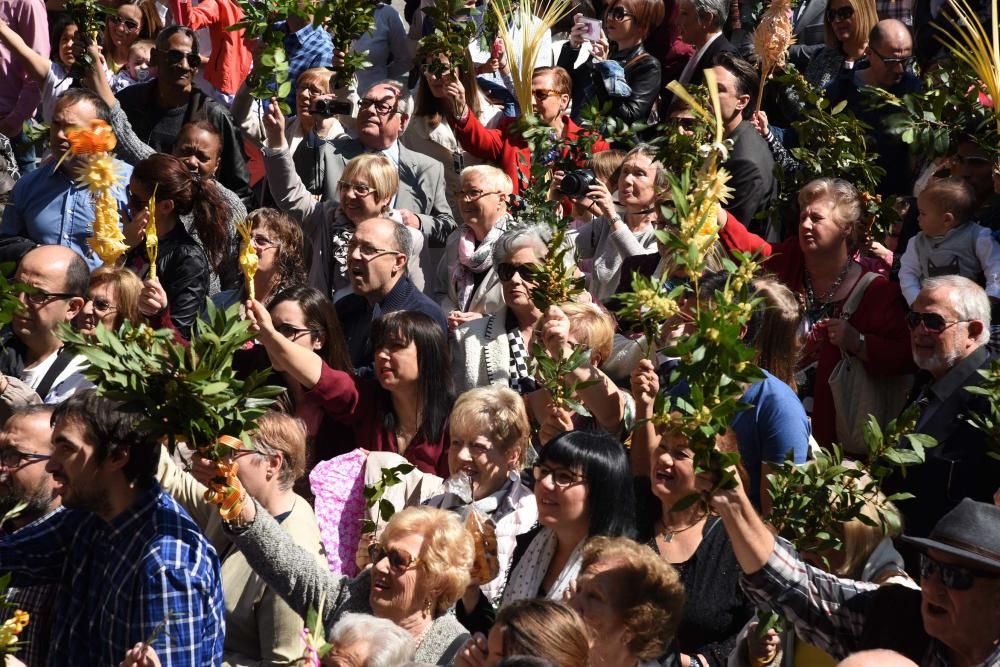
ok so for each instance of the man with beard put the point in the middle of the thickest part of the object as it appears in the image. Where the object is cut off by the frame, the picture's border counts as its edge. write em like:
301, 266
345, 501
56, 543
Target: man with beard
25, 447
949, 326
124, 555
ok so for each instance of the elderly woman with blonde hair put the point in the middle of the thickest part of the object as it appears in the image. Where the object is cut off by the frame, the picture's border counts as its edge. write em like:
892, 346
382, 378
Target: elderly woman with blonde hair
420, 567
467, 283
367, 187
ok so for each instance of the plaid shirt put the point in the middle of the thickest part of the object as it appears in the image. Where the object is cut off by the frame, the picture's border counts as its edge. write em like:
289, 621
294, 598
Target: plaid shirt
307, 48
901, 10
827, 611
119, 580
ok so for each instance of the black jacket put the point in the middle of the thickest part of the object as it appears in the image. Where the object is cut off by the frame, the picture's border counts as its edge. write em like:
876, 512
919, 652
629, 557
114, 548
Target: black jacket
719, 45
140, 104
182, 269
752, 169
642, 73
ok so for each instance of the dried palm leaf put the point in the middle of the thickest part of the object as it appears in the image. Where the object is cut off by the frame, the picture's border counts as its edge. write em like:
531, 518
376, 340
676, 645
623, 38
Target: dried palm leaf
971, 45
523, 55
771, 40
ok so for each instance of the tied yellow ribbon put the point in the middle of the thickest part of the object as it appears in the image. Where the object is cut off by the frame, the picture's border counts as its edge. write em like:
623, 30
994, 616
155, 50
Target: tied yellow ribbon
248, 256
152, 240
225, 489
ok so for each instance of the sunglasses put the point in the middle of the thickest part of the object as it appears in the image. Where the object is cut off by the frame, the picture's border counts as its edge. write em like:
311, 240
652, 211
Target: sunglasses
129, 24
506, 271
399, 561
543, 94
955, 577
175, 57
932, 322
101, 305
905, 61
619, 13
841, 14
39, 297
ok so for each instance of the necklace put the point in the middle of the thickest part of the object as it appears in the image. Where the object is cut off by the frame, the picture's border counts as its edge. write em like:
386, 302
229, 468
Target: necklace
668, 535
817, 306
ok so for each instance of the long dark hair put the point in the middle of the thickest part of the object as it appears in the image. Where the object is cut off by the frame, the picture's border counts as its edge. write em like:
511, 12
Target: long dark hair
435, 384
604, 465
190, 194
428, 105
321, 319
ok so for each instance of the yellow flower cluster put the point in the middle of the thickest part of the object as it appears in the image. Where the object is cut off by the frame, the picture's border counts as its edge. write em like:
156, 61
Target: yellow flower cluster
248, 256
98, 174
701, 226
152, 240
656, 306
108, 241
11, 628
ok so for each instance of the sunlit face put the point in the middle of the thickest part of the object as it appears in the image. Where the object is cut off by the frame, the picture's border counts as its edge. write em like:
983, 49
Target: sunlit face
819, 228
731, 101
894, 47
306, 93
67, 45
672, 464
960, 619
517, 290
396, 366
595, 599
290, 321
372, 259
395, 595
481, 204
138, 64
358, 207
377, 128
101, 308
624, 28
267, 247
562, 505
547, 103
437, 83
80, 481
938, 352
66, 117
28, 480
637, 183
180, 73
347, 655
199, 150
41, 315
484, 462
125, 25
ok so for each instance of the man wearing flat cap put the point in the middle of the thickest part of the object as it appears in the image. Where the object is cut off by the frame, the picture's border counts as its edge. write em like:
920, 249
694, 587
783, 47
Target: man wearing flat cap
952, 621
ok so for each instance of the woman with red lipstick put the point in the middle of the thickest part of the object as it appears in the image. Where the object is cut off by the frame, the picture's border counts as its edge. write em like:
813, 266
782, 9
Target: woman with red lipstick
819, 264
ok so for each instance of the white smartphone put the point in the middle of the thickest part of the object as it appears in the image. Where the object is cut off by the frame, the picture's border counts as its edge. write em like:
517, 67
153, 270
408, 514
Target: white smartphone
592, 29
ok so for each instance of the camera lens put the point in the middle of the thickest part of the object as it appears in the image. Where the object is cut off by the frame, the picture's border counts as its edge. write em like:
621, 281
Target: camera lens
576, 183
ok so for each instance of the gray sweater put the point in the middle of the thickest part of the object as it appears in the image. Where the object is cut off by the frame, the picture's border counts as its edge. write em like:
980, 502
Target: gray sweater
609, 250
295, 575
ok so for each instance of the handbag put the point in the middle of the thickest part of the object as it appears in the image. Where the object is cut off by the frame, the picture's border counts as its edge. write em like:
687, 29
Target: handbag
857, 393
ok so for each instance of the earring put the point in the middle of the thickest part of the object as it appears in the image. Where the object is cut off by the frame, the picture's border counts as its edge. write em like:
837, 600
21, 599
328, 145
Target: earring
428, 607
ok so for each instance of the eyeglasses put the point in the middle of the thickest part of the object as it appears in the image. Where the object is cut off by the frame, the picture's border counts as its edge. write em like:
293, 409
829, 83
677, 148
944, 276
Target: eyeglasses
543, 94
36, 296
175, 57
506, 271
360, 189
561, 477
955, 577
473, 195
367, 251
904, 62
129, 24
841, 14
12, 458
399, 560
619, 13
973, 159
292, 332
382, 108
261, 242
933, 322
101, 306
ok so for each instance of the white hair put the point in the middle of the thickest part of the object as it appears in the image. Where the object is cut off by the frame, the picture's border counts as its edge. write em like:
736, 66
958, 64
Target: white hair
388, 644
404, 101
967, 298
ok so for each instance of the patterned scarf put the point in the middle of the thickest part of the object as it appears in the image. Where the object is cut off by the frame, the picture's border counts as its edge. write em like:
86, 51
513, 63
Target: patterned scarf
472, 260
526, 577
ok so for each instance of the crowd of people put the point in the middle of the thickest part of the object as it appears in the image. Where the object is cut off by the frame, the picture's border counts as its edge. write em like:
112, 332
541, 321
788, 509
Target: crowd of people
393, 303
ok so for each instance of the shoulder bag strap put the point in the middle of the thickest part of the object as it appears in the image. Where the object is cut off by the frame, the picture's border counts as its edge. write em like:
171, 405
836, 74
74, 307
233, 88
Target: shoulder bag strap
858, 293
63, 357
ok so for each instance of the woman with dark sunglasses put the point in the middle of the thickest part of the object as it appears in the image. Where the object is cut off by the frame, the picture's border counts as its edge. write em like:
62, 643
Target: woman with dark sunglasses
131, 20
112, 298
846, 24
618, 53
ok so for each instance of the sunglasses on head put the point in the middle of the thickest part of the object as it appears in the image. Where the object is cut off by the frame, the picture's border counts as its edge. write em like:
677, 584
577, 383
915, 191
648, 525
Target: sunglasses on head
175, 57
933, 322
955, 577
399, 561
841, 14
506, 271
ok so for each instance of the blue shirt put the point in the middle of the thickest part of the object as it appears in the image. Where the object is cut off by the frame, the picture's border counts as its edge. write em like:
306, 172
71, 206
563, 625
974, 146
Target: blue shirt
47, 206
776, 425
119, 580
306, 48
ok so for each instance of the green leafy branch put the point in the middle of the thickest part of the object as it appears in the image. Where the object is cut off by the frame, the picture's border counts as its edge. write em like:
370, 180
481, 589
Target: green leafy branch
989, 421
314, 636
374, 496
89, 17
9, 302
554, 375
454, 29
346, 21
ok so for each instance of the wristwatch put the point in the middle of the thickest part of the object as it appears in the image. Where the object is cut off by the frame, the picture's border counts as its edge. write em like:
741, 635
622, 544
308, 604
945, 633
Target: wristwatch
861, 344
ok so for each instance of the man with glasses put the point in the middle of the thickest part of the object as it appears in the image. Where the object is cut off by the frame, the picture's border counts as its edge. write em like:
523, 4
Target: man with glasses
55, 280
47, 205
159, 108
383, 113
25, 448
949, 326
376, 264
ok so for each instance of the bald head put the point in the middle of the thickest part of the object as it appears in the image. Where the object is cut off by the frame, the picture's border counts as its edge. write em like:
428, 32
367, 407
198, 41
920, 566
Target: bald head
890, 32
877, 658
58, 278
890, 54
59, 263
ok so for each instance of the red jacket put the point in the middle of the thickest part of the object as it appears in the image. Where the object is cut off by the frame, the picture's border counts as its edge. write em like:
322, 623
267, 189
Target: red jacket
500, 146
230, 62
880, 317
355, 402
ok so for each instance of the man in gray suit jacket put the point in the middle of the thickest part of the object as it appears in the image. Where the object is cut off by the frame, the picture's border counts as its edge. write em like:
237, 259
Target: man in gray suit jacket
383, 113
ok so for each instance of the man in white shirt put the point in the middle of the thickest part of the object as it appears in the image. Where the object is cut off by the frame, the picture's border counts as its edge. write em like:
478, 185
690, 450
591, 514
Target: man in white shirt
57, 278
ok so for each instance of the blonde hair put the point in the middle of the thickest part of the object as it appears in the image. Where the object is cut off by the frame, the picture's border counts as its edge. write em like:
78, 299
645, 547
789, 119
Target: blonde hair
447, 555
544, 628
279, 433
496, 412
493, 178
319, 75
606, 165
773, 331
378, 170
952, 195
846, 204
144, 44
126, 286
650, 596
591, 326
865, 17
860, 539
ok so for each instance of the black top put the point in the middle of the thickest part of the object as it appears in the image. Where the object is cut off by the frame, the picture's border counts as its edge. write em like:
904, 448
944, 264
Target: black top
356, 317
716, 609
642, 73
